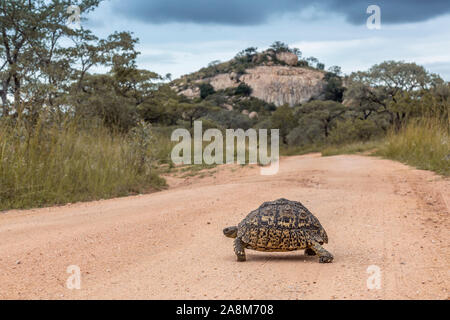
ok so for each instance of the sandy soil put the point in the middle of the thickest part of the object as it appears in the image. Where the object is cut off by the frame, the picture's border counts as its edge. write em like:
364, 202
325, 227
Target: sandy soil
170, 244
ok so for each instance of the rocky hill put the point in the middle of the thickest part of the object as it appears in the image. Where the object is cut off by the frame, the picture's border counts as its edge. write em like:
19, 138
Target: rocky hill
274, 77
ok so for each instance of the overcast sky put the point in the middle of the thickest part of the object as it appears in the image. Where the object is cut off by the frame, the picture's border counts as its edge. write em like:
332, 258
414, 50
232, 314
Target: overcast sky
181, 36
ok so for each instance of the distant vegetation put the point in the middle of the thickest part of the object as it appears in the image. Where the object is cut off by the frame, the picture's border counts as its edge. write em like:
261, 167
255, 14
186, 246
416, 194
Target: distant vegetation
250, 58
396, 108
68, 134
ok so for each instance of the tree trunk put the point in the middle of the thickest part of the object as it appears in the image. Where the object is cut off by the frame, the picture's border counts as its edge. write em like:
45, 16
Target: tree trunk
17, 103
5, 108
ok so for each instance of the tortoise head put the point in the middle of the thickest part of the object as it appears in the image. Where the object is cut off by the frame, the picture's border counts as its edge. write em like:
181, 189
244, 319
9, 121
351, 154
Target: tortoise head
230, 232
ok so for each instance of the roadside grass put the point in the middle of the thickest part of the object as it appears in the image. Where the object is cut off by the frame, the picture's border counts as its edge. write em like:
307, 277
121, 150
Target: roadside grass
364, 147
298, 151
331, 149
197, 169
423, 143
56, 164
51, 164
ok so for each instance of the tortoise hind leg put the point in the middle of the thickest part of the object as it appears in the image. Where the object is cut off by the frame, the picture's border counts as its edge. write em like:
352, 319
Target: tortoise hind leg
324, 255
239, 249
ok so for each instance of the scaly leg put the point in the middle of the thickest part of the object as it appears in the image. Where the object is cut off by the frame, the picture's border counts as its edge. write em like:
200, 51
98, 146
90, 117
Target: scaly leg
324, 255
239, 249
309, 252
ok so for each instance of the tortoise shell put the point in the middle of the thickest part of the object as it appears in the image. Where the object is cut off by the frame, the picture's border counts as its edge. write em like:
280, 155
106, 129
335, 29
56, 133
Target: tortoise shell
280, 225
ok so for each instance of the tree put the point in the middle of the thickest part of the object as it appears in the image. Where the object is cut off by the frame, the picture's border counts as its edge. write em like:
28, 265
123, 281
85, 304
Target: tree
283, 119
336, 70
162, 106
31, 54
334, 89
194, 111
279, 46
99, 99
297, 52
312, 60
213, 65
115, 97
45, 65
321, 113
246, 56
383, 87
229, 119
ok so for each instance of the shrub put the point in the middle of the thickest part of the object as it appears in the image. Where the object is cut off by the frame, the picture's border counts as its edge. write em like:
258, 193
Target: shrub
306, 135
243, 89
302, 63
351, 130
230, 119
206, 89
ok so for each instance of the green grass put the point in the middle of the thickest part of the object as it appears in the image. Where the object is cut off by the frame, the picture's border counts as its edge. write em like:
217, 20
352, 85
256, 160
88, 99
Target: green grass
57, 164
351, 148
424, 144
330, 149
298, 151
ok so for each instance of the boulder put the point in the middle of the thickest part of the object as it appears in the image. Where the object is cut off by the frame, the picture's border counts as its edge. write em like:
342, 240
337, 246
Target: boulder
288, 57
253, 115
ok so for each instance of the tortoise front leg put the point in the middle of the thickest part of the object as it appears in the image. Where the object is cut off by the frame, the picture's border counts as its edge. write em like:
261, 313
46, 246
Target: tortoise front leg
309, 252
324, 255
239, 249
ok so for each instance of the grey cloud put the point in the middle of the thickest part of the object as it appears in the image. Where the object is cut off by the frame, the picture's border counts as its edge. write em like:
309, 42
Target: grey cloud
254, 12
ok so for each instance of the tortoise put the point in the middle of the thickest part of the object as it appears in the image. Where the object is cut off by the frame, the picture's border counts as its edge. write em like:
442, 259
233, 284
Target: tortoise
280, 226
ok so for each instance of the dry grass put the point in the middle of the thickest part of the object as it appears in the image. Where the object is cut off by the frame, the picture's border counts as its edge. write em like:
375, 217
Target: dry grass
56, 164
423, 143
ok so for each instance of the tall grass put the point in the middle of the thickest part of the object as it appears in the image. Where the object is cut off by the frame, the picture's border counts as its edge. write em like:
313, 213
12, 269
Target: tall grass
423, 143
60, 163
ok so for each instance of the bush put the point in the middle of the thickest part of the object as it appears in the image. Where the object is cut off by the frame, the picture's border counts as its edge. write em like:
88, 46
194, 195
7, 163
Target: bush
206, 89
352, 130
243, 89
230, 119
303, 63
306, 135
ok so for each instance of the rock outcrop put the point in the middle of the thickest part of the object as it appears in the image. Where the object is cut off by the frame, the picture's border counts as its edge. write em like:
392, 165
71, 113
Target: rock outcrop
274, 84
288, 57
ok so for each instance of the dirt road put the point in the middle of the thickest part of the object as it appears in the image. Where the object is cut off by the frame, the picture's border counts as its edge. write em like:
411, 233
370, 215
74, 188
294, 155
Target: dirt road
170, 244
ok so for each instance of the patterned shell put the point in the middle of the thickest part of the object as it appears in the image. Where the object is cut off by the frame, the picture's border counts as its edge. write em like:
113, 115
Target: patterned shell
281, 225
